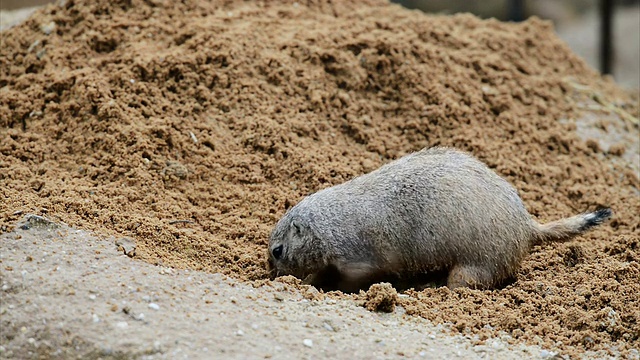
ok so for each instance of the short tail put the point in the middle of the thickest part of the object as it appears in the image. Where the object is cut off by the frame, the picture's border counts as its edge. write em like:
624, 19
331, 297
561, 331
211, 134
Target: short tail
565, 229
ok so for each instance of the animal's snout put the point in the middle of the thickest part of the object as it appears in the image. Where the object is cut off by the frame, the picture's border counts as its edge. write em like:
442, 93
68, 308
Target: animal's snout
271, 269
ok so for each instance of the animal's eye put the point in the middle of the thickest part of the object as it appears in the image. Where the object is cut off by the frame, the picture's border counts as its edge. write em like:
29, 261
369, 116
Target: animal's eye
277, 252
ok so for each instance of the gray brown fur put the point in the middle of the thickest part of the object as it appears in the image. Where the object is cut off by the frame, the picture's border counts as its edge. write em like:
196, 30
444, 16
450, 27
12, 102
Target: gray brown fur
438, 209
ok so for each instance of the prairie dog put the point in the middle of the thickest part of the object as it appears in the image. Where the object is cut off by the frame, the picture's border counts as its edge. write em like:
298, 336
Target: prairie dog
435, 210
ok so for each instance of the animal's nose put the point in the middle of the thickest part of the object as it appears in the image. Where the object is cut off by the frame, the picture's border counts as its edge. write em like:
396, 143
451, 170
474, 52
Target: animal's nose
271, 269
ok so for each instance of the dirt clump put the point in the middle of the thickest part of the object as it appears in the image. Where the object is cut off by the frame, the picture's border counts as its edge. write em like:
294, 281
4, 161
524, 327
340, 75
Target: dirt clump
381, 297
191, 127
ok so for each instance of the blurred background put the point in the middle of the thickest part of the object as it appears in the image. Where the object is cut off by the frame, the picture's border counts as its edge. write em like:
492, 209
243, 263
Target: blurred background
606, 33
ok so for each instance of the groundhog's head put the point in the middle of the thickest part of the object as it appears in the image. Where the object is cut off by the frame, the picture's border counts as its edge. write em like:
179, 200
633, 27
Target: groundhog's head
293, 248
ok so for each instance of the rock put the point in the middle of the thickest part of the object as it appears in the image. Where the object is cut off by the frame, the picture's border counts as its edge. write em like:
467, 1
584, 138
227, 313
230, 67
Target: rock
127, 246
307, 342
48, 28
328, 327
36, 221
175, 169
122, 325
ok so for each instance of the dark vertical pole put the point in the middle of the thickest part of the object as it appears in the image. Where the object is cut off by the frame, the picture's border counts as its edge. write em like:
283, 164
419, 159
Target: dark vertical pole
516, 10
606, 36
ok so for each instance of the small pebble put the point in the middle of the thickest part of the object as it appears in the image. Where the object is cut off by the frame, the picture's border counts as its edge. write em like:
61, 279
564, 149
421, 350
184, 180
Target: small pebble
48, 28
122, 325
30, 49
307, 342
92, 297
240, 333
128, 247
328, 327
545, 354
422, 353
154, 306
95, 318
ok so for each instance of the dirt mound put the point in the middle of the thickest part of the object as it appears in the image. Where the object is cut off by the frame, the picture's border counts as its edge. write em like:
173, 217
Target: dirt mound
192, 126
380, 297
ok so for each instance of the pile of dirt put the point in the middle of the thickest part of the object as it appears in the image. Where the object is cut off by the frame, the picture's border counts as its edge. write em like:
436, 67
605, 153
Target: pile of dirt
192, 126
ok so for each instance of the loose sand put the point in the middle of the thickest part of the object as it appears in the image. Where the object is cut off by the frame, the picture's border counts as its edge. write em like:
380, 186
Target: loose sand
191, 127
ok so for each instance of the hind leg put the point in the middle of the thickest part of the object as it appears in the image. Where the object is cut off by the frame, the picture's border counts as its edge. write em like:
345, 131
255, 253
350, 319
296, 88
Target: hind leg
474, 277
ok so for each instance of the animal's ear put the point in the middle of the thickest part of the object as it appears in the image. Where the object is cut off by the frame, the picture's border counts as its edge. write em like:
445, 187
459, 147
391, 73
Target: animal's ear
296, 226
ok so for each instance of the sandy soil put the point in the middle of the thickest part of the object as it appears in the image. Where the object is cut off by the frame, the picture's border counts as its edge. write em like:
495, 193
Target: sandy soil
191, 128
